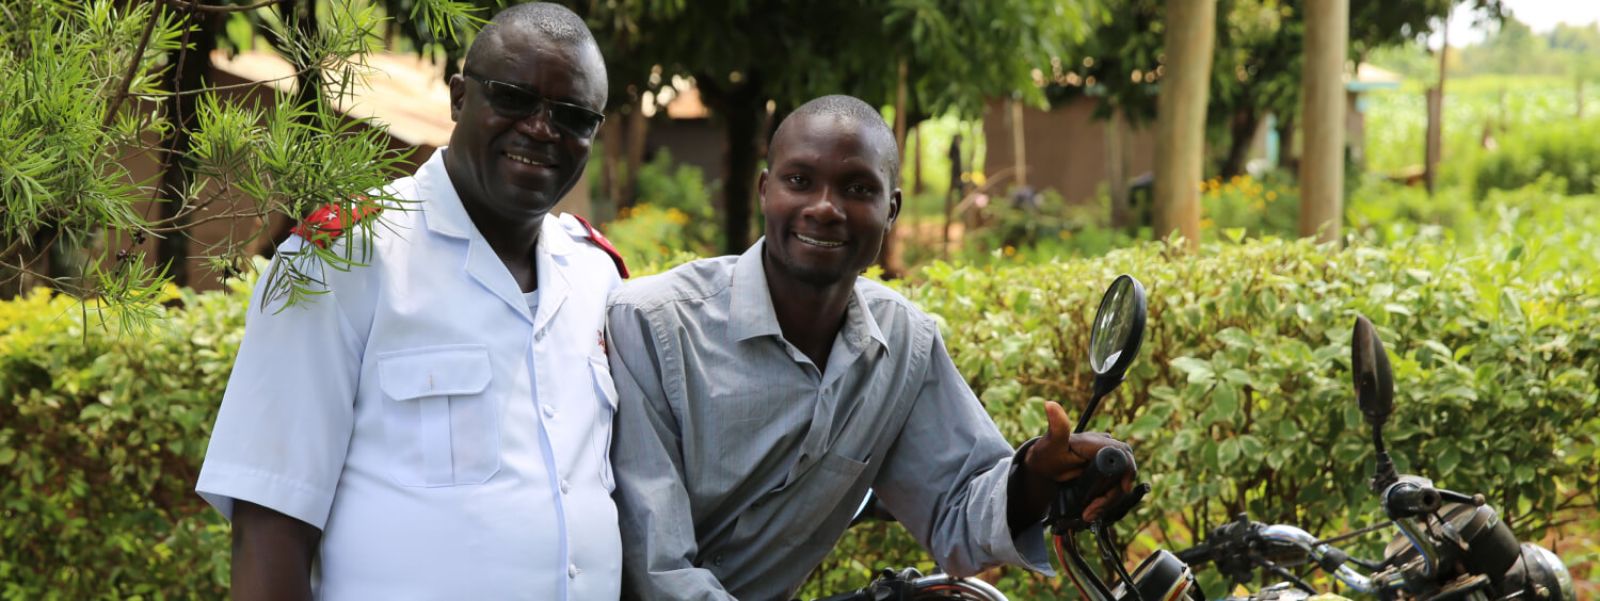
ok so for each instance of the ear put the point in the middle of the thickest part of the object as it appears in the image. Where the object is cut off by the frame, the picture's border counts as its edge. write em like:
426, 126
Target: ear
458, 95
761, 188
894, 208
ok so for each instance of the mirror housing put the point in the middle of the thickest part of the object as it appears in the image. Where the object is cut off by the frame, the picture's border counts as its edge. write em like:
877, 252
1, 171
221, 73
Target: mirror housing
1374, 381
1114, 339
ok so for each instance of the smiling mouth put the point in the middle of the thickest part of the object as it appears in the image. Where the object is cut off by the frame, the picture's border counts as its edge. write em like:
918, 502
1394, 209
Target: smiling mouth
528, 161
821, 243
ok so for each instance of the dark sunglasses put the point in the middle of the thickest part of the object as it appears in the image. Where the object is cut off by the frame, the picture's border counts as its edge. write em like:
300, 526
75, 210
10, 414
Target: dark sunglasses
515, 101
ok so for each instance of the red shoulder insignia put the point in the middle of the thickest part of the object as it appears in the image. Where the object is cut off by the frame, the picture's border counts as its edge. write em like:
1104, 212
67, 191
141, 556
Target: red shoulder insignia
328, 222
600, 240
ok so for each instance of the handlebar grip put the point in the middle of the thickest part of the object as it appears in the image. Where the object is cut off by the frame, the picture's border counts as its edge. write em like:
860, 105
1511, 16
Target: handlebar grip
1407, 500
1108, 466
1195, 555
1112, 462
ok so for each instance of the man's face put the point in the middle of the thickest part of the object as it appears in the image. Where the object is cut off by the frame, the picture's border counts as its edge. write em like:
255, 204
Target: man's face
828, 200
518, 167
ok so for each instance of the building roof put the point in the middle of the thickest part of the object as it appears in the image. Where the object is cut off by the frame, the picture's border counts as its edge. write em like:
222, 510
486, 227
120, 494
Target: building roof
405, 92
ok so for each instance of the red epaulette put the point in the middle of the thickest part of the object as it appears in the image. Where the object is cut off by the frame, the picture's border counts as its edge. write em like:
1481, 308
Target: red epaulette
600, 240
328, 222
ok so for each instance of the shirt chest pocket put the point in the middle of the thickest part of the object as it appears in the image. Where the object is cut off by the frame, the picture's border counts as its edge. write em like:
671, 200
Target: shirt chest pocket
441, 426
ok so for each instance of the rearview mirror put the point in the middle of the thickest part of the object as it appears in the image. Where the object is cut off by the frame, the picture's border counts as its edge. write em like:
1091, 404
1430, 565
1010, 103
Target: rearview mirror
1114, 338
1373, 379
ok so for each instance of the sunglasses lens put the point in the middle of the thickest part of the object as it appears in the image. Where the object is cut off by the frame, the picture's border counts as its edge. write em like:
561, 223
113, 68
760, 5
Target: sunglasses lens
576, 121
510, 101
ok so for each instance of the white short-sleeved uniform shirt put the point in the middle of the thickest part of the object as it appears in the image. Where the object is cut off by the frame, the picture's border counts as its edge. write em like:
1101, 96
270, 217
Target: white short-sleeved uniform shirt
450, 442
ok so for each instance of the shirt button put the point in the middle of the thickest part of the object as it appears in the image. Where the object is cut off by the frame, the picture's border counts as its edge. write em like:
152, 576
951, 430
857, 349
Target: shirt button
573, 571
718, 560
566, 486
549, 412
537, 336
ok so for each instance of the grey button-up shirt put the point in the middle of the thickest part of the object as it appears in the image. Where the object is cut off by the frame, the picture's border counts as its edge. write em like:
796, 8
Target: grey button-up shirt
739, 463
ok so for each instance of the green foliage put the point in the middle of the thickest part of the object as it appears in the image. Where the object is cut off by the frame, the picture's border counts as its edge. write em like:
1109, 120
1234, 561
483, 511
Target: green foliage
1478, 111
101, 438
92, 84
672, 215
1243, 205
1242, 399
1566, 151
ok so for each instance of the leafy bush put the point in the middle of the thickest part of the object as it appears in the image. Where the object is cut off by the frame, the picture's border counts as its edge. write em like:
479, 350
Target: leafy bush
101, 437
1562, 149
671, 215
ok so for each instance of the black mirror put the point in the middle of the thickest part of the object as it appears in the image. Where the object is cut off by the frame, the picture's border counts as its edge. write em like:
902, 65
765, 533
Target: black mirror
1374, 391
1373, 379
1114, 338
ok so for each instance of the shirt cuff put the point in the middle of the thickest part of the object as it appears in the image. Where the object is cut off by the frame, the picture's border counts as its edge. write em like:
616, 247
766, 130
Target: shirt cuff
1027, 547
222, 484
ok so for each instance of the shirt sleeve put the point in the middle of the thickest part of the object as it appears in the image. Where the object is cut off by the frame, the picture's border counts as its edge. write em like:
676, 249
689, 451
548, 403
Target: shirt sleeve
658, 536
946, 477
285, 423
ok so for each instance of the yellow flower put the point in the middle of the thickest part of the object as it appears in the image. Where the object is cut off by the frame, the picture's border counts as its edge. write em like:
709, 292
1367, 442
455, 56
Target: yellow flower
1272, 195
1010, 251
979, 178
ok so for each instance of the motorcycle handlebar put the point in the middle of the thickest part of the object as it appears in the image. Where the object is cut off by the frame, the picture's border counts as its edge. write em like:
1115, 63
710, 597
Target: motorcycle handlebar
1409, 500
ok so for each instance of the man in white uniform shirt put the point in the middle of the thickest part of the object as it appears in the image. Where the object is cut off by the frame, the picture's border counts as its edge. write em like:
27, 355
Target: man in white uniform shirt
436, 426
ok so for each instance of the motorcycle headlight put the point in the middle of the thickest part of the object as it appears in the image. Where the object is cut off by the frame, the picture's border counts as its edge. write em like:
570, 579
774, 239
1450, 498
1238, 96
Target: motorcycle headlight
1545, 570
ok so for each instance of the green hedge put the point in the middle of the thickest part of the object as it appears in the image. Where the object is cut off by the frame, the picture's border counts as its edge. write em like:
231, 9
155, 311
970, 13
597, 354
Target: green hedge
1240, 400
1564, 150
101, 437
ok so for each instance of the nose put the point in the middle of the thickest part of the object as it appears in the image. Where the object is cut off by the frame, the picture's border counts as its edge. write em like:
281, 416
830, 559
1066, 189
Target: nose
823, 207
538, 125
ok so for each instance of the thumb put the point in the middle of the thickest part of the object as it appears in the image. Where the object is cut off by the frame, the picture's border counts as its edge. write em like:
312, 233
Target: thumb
1060, 426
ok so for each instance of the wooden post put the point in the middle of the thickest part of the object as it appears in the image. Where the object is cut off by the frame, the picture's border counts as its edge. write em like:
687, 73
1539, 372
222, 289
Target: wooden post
1019, 145
1322, 166
1434, 146
1181, 117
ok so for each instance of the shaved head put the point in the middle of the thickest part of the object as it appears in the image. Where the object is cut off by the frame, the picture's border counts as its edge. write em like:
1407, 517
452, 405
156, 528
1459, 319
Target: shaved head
855, 111
554, 22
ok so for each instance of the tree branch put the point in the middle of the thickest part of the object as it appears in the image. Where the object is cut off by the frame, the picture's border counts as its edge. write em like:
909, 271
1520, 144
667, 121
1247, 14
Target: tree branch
133, 67
196, 6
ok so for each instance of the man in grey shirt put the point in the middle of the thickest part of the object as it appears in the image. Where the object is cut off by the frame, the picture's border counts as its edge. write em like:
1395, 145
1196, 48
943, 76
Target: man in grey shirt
760, 396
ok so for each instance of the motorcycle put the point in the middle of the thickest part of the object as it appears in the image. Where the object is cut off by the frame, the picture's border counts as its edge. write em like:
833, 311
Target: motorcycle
1451, 545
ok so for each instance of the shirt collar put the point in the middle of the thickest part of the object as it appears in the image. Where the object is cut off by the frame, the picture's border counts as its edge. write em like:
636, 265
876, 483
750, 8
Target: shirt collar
754, 315
447, 216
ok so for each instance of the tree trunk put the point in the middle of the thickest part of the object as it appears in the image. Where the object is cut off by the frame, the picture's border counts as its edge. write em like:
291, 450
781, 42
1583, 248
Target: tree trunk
1287, 159
191, 65
1242, 133
1019, 143
1322, 169
743, 111
889, 256
1434, 138
1181, 117
1116, 172
638, 133
1434, 146
612, 166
